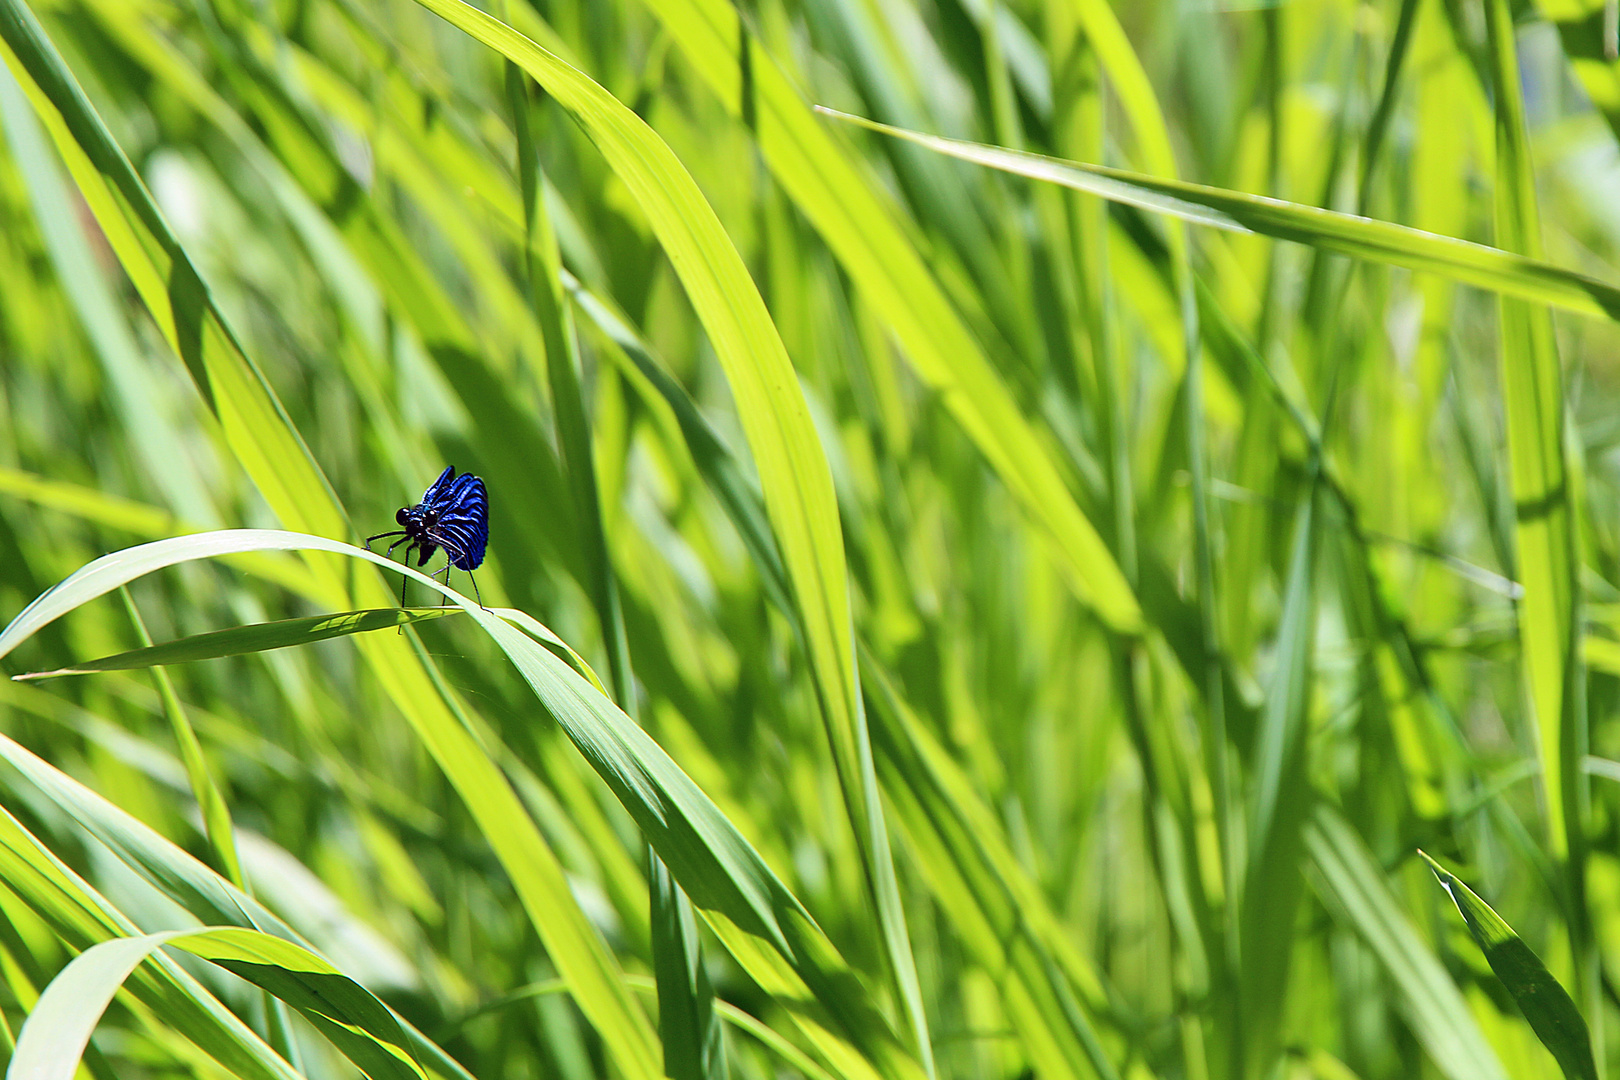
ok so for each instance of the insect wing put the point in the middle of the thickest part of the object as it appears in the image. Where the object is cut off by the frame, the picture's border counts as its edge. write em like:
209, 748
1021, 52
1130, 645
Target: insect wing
463, 526
440, 487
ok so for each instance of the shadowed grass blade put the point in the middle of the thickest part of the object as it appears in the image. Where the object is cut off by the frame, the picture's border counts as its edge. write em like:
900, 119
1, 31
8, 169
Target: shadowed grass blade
239, 640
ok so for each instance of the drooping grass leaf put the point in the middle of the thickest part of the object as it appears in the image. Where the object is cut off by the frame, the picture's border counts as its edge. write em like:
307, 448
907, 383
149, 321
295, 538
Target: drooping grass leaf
240, 640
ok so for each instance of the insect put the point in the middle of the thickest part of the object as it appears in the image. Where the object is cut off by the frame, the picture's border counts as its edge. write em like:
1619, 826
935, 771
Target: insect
454, 515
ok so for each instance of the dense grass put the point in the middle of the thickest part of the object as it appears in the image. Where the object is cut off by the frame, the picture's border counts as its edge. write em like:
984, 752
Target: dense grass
1048, 603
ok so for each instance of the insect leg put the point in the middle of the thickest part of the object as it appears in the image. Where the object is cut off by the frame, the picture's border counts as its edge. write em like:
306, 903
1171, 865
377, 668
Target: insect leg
476, 593
402, 540
379, 536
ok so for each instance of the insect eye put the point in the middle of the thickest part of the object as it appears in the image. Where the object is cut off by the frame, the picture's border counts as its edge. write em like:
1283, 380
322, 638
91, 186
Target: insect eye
402, 516
430, 518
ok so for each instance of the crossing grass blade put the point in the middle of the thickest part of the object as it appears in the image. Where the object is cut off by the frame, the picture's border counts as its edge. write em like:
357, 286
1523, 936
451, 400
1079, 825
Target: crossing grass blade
179, 876
1543, 1000
1359, 893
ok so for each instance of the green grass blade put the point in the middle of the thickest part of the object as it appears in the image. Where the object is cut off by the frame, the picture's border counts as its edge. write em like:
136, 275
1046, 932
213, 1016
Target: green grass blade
1533, 400
83, 919
1544, 1002
175, 873
1380, 241
787, 452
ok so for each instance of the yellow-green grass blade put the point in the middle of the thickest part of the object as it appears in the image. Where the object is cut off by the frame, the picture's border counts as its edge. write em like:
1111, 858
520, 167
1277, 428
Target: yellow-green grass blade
1491, 268
1354, 886
792, 467
718, 869
239, 640
179, 876
274, 456
885, 265
1543, 1000
53, 1039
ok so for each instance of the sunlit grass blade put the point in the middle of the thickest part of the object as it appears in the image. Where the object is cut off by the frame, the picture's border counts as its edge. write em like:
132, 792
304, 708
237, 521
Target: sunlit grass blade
1543, 1000
59, 1027
1367, 238
83, 919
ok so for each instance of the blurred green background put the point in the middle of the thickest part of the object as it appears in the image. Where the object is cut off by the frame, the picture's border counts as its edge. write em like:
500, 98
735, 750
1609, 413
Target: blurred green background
1093, 702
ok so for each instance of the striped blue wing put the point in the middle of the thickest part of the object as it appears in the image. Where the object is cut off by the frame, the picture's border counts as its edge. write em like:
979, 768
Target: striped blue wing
463, 525
440, 486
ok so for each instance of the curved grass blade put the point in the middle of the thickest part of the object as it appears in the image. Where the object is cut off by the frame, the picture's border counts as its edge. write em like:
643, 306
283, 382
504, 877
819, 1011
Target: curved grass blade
716, 866
261, 637
1365, 238
776, 421
57, 1030
1544, 1002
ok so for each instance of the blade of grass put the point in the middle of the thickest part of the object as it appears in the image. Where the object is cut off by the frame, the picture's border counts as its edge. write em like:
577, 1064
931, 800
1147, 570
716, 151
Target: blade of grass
176, 874
240, 640
1544, 1002
1358, 893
